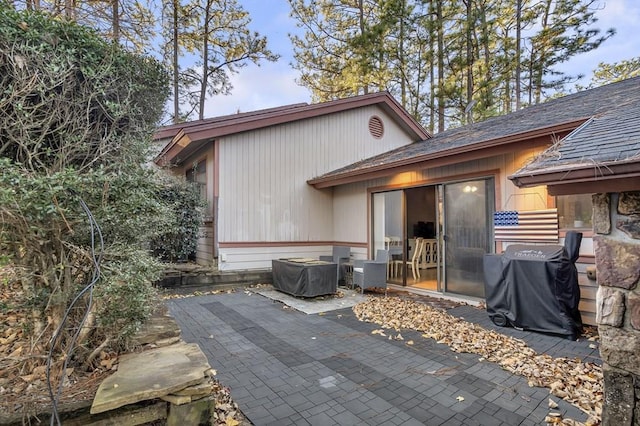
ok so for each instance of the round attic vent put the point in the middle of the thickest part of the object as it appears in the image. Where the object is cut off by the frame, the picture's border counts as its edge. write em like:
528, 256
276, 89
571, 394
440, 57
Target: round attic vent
376, 128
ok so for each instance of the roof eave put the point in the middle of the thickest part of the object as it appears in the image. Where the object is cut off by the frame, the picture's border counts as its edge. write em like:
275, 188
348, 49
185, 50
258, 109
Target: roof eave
208, 131
170, 152
408, 123
587, 178
388, 169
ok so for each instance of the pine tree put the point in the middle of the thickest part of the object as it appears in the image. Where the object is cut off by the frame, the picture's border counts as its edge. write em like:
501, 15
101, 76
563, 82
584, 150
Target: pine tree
223, 44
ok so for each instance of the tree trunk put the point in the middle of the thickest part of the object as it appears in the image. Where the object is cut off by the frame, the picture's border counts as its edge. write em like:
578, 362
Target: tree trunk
401, 54
69, 9
440, 32
543, 51
487, 85
205, 60
469, 60
365, 85
432, 71
116, 21
517, 56
176, 74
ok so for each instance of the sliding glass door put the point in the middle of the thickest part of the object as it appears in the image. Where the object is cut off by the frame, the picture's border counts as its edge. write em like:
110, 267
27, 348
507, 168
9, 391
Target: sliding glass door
468, 212
437, 235
388, 223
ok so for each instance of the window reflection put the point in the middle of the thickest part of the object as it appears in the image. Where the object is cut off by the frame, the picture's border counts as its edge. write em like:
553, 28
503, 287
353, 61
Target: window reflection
574, 211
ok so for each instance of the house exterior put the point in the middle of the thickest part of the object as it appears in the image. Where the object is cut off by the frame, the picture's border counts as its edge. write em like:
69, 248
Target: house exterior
459, 178
293, 181
253, 168
602, 157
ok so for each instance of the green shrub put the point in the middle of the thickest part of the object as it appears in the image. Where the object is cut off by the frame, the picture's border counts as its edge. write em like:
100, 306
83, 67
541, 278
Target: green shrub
179, 241
76, 118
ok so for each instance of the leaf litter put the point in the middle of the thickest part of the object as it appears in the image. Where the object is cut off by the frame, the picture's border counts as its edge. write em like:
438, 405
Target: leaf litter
579, 383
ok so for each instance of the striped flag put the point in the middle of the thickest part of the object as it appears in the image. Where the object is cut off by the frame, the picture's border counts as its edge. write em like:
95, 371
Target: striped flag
527, 226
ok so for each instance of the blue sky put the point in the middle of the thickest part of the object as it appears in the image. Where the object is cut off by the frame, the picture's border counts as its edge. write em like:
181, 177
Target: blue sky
273, 84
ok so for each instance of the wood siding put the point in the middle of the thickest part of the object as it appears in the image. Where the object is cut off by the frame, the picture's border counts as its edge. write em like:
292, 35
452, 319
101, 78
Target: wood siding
351, 204
588, 290
205, 250
263, 194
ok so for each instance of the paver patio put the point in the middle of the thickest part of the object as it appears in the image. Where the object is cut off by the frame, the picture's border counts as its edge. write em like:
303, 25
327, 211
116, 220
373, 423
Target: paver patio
285, 367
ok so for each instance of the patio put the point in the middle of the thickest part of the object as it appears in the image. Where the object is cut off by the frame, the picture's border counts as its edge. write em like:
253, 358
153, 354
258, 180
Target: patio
286, 367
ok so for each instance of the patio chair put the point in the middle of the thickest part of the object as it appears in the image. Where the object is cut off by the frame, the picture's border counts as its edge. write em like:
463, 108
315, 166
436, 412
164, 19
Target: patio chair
372, 273
339, 255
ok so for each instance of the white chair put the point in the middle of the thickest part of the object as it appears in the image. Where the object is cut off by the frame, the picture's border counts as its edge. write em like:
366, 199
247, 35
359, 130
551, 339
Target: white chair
394, 246
430, 253
416, 256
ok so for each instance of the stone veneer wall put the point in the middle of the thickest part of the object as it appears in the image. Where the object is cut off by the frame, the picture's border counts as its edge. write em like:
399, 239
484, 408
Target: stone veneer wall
617, 252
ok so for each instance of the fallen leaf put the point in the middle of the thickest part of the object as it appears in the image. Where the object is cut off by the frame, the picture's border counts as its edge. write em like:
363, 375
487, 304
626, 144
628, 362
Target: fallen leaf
582, 383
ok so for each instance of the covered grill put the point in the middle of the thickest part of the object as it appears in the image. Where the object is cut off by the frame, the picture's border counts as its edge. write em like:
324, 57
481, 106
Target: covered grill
535, 287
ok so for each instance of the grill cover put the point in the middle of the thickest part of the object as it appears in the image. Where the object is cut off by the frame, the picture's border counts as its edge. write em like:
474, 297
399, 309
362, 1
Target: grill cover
535, 288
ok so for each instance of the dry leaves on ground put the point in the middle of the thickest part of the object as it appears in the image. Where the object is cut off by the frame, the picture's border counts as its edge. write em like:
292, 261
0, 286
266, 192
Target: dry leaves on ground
23, 385
581, 383
226, 412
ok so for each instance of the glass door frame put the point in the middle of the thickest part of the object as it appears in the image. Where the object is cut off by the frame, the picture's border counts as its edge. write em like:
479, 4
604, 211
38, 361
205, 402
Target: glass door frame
489, 200
379, 209
440, 221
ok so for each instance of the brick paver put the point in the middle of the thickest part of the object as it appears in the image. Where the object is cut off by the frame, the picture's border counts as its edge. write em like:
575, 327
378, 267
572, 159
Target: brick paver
288, 368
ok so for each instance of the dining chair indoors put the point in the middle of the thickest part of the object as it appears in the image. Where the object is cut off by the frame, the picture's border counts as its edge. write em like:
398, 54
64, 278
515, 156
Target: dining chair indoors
414, 263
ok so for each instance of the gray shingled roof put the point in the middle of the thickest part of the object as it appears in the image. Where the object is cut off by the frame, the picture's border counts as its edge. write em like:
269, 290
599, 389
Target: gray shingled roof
608, 138
608, 102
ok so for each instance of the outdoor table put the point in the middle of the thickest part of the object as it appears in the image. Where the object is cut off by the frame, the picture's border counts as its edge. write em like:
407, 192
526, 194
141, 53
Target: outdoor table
305, 277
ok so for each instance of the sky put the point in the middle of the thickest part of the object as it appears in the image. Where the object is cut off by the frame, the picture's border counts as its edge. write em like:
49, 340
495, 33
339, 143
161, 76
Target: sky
274, 83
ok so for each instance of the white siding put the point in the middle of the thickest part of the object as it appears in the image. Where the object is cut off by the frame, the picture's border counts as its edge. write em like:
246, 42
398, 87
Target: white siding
263, 194
241, 258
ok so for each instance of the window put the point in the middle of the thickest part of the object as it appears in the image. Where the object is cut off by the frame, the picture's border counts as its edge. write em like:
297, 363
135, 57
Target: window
574, 211
198, 175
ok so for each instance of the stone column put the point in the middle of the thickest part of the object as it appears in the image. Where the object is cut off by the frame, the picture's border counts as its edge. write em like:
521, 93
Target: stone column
617, 251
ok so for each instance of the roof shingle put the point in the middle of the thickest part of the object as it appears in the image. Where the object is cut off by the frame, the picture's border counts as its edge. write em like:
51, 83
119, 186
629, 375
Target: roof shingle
605, 103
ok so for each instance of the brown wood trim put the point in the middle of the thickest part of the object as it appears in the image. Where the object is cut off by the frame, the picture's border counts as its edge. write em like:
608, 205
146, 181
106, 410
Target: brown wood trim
586, 233
526, 140
173, 148
232, 124
247, 244
243, 124
497, 190
613, 184
170, 130
584, 178
495, 173
369, 224
587, 259
216, 168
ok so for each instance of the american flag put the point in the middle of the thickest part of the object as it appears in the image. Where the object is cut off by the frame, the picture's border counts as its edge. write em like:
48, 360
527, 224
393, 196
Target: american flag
526, 226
